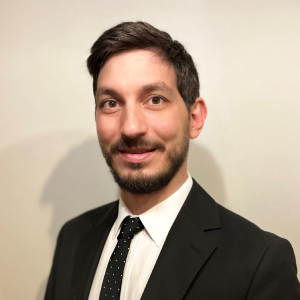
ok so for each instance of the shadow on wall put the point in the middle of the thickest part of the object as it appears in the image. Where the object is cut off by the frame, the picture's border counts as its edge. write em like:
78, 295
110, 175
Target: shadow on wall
205, 170
80, 182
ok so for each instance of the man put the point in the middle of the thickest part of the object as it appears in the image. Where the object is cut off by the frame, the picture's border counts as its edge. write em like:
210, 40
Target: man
165, 238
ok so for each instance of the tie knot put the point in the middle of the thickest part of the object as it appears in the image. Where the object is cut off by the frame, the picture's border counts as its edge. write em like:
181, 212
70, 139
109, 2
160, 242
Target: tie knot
130, 227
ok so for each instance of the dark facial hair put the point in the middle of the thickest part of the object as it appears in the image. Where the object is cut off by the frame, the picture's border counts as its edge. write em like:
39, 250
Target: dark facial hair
141, 183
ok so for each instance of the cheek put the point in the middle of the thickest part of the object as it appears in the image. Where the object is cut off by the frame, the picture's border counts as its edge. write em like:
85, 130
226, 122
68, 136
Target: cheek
172, 126
167, 129
107, 130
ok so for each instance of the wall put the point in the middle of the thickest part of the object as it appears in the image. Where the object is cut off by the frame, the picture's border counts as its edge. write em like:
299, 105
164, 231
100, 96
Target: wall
247, 156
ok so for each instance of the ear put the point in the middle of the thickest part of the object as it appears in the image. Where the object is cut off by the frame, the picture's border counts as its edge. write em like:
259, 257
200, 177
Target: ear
198, 113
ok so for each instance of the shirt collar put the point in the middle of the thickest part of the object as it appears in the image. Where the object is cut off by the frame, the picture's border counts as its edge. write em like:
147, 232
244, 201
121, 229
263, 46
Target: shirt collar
159, 219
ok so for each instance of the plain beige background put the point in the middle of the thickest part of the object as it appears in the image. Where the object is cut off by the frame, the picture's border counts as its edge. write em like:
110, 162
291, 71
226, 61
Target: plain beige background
51, 168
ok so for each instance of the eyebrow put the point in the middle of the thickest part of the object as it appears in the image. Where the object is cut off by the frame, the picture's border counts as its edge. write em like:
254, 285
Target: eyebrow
105, 91
155, 86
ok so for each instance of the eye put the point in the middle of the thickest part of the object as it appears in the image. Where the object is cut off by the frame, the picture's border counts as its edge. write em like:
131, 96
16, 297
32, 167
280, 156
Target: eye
156, 100
109, 104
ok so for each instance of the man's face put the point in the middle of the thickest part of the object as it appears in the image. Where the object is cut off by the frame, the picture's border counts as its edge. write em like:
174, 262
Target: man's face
142, 122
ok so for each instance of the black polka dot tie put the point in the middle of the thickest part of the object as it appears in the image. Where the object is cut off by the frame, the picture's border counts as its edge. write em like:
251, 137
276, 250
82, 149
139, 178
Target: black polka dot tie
111, 286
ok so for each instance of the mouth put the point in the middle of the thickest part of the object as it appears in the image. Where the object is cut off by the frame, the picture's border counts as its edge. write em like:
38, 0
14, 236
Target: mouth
136, 150
136, 155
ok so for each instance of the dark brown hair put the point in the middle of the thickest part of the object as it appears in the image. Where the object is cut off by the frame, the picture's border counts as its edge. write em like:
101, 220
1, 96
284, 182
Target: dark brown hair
141, 35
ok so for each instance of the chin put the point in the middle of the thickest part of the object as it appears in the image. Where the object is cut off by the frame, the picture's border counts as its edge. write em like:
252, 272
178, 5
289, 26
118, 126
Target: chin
139, 181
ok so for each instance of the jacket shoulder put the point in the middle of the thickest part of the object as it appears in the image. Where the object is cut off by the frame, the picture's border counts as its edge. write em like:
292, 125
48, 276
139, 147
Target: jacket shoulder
236, 225
84, 221
268, 259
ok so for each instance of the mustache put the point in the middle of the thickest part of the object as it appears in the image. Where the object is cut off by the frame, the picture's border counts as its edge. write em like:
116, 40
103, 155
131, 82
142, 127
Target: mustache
137, 142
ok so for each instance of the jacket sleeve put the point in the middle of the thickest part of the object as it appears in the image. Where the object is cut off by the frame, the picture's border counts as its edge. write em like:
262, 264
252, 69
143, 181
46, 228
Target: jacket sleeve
276, 275
50, 291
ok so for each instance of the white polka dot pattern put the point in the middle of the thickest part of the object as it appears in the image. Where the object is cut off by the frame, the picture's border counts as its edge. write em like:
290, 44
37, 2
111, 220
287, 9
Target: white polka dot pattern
112, 281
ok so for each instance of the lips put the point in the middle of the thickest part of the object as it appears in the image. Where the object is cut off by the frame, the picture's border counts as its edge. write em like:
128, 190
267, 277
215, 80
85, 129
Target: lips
136, 155
136, 150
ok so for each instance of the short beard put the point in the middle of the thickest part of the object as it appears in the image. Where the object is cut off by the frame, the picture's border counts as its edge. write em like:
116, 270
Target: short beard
147, 184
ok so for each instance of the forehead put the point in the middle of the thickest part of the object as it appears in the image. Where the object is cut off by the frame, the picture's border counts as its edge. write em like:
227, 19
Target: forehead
135, 68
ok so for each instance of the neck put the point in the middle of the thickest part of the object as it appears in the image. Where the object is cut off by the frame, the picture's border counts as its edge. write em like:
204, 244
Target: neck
138, 204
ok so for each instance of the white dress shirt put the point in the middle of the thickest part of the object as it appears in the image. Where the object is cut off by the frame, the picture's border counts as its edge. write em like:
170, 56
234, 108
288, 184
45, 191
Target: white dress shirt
145, 246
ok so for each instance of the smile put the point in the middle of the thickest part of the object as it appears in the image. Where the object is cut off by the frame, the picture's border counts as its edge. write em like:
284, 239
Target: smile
137, 155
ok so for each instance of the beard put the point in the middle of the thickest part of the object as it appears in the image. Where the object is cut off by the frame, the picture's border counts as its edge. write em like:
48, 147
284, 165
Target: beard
137, 182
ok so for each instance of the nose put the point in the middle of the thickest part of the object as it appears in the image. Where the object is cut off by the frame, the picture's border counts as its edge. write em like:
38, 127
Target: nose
133, 121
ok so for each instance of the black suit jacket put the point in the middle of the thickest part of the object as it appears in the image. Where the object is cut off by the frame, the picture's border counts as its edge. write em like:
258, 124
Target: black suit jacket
210, 254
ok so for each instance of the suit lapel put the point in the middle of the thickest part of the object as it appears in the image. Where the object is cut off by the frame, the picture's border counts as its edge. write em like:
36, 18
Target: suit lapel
89, 252
186, 248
